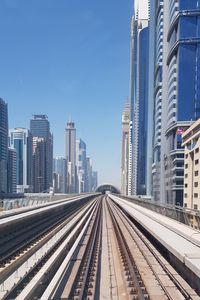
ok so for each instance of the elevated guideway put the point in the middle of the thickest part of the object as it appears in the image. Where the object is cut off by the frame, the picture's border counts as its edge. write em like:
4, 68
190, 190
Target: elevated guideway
178, 242
97, 247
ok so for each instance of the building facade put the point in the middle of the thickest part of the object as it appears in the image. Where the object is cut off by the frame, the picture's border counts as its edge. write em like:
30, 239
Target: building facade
125, 149
177, 101
39, 165
12, 171
60, 168
139, 98
81, 165
3, 145
40, 128
191, 144
70, 151
20, 139
94, 180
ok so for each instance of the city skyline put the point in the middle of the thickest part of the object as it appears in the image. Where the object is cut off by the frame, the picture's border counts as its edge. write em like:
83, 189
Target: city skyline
64, 78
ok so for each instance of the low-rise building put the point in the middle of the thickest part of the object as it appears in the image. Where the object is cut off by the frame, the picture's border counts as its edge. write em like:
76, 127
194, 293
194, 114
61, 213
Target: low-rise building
191, 143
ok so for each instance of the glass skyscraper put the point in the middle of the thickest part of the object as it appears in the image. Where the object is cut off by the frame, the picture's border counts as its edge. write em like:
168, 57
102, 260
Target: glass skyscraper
177, 92
20, 139
139, 99
40, 128
3, 146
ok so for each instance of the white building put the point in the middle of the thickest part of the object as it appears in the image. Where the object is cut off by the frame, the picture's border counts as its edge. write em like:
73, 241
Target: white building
20, 139
191, 143
125, 149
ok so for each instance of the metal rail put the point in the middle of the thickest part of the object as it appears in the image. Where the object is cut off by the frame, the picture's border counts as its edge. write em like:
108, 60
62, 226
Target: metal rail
186, 291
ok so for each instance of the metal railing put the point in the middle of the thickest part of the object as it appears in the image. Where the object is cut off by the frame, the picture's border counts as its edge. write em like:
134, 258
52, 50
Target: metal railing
190, 217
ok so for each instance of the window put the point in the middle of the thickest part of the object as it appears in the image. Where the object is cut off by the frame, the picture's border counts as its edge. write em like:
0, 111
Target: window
185, 195
196, 162
186, 166
186, 185
186, 175
196, 173
195, 195
195, 206
197, 150
186, 156
185, 204
196, 184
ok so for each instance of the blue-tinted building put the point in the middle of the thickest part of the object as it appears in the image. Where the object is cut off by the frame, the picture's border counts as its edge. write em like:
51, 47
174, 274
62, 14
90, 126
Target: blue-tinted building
183, 89
20, 139
138, 99
3, 146
142, 111
60, 168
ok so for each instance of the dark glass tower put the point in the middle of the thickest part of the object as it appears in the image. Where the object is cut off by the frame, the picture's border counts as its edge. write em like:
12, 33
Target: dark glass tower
3, 146
40, 128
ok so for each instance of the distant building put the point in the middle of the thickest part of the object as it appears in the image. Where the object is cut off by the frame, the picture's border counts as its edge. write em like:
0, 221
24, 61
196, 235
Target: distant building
39, 167
70, 151
94, 180
125, 149
191, 143
40, 128
81, 165
20, 139
56, 182
89, 175
3, 146
12, 171
60, 168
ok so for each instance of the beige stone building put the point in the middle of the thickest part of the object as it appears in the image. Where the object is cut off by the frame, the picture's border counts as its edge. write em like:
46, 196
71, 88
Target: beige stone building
191, 143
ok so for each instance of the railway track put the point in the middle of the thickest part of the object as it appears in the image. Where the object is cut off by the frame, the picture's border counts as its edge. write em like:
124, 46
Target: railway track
96, 253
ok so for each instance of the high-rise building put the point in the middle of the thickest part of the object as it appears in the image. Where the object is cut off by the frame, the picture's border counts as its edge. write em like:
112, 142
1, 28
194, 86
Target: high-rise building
125, 149
139, 98
177, 101
94, 180
81, 165
3, 145
151, 96
39, 167
70, 150
20, 139
12, 171
40, 128
60, 168
89, 175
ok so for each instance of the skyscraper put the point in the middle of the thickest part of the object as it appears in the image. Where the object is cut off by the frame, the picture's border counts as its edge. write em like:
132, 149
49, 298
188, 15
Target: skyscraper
60, 168
70, 150
139, 98
20, 139
3, 146
40, 128
94, 180
81, 165
177, 100
125, 149
89, 175
39, 165
12, 171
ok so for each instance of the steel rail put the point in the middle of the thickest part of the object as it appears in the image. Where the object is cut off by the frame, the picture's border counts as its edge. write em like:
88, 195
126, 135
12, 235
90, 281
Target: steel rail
124, 217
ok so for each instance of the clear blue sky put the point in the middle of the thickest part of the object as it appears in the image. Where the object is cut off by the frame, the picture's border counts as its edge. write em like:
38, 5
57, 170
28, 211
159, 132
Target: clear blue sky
69, 58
